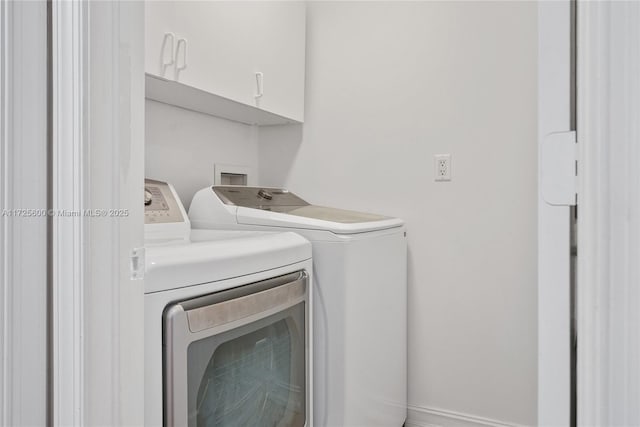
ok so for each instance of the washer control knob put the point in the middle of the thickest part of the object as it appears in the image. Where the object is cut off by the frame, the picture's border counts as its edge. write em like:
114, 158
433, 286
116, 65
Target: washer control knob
265, 195
147, 197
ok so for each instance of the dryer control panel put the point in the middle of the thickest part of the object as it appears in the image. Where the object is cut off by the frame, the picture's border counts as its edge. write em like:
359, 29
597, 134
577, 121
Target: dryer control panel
160, 204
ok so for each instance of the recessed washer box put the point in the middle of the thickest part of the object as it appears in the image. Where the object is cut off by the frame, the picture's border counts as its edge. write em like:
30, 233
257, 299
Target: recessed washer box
225, 174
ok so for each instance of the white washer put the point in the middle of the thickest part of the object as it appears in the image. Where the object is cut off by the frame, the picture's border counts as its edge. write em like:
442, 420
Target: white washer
227, 322
360, 297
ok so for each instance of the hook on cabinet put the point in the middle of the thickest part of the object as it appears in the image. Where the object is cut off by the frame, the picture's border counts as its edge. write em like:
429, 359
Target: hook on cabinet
167, 52
181, 47
259, 85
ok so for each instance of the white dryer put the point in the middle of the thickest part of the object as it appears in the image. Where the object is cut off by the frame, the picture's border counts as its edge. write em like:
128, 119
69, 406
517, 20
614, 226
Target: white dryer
227, 322
360, 297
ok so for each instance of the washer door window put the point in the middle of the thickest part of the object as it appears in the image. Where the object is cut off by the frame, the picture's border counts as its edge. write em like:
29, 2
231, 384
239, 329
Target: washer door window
239, 357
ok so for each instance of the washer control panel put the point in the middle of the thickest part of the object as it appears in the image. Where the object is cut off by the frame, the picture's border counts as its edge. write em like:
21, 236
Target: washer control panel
160, 204
258, 197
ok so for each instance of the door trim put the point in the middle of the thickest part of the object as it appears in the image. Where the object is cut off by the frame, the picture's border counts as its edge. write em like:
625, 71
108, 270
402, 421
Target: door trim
69, 35
608, 366
97, 168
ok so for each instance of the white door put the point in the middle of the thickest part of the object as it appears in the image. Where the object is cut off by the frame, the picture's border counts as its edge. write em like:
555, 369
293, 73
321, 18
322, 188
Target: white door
556, 176
23, 202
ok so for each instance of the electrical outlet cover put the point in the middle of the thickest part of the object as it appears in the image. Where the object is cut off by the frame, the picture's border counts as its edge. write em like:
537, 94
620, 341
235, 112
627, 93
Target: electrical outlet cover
442, 167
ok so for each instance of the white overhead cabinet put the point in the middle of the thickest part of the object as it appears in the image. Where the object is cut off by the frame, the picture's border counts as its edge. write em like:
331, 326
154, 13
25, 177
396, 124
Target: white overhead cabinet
244, 61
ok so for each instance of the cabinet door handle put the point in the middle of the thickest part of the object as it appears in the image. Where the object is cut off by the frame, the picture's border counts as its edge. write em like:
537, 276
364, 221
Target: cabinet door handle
259, 85
181, 65
166, 59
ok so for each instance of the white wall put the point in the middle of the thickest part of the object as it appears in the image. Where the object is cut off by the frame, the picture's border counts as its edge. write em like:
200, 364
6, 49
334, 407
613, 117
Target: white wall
182, 147
388, 86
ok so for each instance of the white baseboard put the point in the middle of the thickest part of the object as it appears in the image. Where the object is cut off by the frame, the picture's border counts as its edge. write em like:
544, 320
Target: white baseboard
432, 417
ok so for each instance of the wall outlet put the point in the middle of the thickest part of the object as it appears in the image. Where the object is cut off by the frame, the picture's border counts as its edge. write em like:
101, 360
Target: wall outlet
442, 167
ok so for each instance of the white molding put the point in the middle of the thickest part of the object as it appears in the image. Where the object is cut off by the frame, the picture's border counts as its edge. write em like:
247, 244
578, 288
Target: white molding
69, 174
431, 417
609, 220
23, 240
98, 164
554, 262
116, 133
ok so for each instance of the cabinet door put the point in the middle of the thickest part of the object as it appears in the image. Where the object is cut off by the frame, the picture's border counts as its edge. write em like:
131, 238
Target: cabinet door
220, 45
279, 53
159, 20
219, 40
228, 42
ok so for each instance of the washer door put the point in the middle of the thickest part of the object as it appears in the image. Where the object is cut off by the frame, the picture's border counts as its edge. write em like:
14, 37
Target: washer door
239, 357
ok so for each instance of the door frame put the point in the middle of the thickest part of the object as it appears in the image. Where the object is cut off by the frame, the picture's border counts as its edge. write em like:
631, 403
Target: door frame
97, 172
607, 108
608, 303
